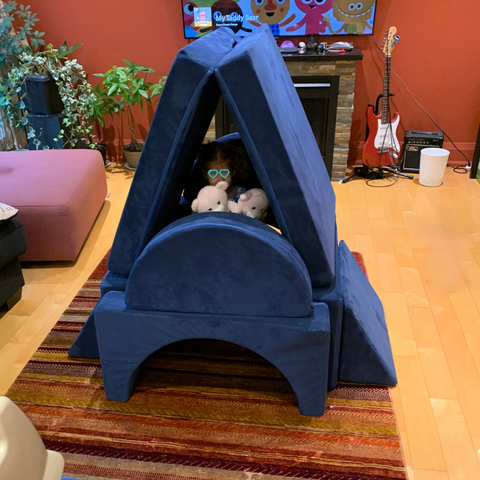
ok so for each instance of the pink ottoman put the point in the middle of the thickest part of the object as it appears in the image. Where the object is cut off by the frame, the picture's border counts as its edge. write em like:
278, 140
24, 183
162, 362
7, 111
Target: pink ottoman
58, 194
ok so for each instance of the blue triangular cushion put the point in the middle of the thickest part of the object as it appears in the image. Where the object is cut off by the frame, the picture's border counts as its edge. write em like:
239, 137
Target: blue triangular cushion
365, 354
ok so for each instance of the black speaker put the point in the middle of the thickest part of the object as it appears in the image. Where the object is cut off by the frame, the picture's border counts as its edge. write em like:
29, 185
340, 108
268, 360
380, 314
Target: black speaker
413, 144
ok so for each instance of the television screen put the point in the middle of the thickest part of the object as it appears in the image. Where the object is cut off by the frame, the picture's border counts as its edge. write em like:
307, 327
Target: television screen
284, 17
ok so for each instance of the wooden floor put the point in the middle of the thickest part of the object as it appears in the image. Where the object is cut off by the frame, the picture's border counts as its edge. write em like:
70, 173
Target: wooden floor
422, 250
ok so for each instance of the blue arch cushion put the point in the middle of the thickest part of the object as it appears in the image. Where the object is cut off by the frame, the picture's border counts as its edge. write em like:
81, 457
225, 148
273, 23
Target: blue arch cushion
220, 263
274, 128
181, 121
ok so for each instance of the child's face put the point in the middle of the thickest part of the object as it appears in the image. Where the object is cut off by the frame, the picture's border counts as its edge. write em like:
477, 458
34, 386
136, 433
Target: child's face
221, 168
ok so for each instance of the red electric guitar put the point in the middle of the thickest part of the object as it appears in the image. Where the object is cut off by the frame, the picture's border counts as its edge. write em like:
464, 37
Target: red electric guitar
382, 147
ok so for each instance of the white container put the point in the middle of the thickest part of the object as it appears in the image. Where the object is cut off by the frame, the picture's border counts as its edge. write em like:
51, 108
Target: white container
433, 162
23, 455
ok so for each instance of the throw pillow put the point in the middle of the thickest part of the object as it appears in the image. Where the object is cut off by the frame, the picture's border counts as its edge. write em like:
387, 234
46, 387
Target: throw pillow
7, 212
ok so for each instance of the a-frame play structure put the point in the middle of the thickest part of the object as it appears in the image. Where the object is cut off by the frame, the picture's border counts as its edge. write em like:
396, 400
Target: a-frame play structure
297, 298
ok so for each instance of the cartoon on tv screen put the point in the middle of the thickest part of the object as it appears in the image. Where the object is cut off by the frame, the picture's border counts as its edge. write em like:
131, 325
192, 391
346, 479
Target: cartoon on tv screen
284, 17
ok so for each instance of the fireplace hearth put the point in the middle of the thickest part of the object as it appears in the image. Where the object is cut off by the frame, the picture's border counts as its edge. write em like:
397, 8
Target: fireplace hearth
319, 97
325, 84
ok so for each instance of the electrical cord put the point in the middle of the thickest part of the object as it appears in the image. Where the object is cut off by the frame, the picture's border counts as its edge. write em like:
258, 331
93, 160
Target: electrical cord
455, 169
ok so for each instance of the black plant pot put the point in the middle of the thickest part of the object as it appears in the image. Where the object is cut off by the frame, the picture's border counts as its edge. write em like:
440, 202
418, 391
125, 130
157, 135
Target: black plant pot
102, 148
42, 97
47, 129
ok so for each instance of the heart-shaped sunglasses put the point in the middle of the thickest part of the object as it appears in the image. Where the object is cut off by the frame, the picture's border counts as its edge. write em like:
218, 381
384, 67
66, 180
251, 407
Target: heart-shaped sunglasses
224, 173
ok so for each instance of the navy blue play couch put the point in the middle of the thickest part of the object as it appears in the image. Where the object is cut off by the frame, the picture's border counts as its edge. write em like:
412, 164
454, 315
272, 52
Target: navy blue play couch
299, 299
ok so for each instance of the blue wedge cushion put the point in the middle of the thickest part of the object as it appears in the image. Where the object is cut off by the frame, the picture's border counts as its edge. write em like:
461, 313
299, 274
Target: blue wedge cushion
276, 133
181, 120
220, 263
366, 354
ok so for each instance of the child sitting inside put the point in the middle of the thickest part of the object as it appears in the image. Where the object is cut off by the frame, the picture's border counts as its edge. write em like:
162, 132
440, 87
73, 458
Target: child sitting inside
226, 162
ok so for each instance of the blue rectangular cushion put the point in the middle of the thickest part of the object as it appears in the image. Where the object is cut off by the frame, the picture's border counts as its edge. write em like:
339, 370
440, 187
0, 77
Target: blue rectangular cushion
181, 120
275, 130
332, 295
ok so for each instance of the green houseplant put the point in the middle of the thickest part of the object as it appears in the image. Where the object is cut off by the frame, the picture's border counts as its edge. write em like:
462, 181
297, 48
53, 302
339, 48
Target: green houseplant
99, 104
25, 64
17, 34
73, 89
128, 86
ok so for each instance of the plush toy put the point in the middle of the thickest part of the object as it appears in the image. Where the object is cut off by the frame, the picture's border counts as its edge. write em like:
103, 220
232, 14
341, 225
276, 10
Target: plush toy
254, 203
213, 198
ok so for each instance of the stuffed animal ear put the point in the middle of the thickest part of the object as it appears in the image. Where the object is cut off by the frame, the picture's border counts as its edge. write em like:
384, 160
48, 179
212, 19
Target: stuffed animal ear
246, 196
222, 185
195, 205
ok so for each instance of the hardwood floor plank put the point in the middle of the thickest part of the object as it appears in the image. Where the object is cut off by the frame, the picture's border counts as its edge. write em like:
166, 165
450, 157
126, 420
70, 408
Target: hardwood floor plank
400, 329
460, 455
389, 275
430, 475
425, 447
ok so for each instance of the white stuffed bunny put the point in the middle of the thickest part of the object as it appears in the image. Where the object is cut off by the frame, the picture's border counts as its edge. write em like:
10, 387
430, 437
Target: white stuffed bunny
213, 198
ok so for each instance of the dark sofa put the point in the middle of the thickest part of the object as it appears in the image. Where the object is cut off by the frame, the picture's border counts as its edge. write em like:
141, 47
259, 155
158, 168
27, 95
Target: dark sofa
12, 244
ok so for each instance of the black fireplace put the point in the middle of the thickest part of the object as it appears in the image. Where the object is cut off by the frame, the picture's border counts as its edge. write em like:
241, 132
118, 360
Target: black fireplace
319, 97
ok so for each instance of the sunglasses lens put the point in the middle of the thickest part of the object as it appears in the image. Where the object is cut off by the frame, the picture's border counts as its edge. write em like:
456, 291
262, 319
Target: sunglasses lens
213, 173
224, 173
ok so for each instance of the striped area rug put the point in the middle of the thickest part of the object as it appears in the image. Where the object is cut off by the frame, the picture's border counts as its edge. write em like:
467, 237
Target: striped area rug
200, 411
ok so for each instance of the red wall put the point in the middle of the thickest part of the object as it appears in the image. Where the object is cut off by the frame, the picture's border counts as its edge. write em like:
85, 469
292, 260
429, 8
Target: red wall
438, 56
149, 32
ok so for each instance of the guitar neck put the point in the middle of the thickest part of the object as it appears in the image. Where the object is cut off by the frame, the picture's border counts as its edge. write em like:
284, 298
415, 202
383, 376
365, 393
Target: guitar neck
386, 90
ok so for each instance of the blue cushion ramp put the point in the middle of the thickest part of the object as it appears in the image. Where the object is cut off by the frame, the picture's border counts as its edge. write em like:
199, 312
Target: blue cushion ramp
220, 263
366, 354
181, 121
275, 130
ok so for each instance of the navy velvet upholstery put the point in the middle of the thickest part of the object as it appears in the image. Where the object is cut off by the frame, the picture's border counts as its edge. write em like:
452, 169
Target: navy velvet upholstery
214, 263
332, 295
366, 355
181, 121
229, 277
298, 347
275, 130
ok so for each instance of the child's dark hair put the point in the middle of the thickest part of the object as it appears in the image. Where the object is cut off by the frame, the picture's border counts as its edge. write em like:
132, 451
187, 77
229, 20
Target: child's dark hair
232, 152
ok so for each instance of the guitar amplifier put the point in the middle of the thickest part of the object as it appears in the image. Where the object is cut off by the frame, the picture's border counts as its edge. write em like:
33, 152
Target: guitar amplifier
413, 144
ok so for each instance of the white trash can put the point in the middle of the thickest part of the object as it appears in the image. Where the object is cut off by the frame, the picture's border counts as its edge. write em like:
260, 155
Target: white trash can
433, 162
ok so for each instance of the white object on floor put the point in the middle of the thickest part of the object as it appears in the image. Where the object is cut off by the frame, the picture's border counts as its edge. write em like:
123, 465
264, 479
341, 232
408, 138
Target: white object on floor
23, 455
433, 162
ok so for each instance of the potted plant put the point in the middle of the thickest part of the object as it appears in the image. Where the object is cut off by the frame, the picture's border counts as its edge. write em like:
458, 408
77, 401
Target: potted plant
98, 105
128, 86
18, 37
40, 82
73, 89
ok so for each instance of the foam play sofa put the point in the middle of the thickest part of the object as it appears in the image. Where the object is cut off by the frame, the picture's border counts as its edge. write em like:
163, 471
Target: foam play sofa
58, 193
297, 298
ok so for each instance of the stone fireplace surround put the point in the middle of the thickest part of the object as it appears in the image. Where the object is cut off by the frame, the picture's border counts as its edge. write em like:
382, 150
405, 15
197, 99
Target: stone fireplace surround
328, 64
